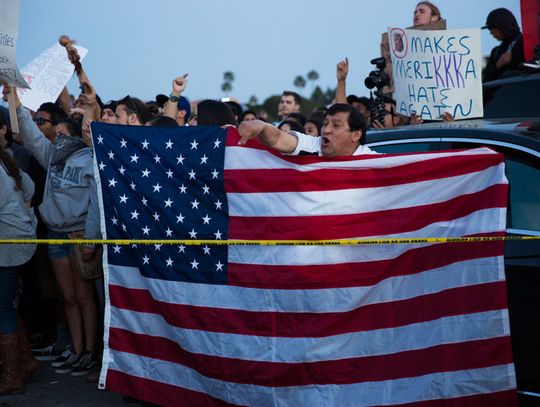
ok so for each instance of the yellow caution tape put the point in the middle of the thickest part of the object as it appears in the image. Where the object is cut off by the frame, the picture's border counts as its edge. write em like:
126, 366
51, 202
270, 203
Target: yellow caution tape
345, 242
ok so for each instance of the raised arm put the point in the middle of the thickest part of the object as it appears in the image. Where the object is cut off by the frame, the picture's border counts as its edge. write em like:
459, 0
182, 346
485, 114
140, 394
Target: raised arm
171, 107
342, 71
92, 111
74, 58
269, 135
33, 139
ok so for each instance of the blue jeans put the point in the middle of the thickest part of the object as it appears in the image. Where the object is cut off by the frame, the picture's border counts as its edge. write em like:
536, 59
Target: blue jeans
9, 281
58, 251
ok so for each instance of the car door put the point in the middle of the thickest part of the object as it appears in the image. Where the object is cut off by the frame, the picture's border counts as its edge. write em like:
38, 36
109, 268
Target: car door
522, 257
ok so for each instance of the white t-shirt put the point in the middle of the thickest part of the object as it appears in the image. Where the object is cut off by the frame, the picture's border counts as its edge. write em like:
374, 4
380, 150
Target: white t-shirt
310, 144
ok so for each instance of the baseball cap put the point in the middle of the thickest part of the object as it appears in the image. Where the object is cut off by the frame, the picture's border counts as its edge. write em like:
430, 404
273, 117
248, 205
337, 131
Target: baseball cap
183, 104
353, 98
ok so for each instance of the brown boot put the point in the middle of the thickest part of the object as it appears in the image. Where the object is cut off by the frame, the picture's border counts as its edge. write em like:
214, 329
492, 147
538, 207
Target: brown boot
11, 380
30, 365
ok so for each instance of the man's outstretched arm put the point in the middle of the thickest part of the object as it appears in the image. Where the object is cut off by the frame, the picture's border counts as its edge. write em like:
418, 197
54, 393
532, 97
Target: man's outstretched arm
269, 135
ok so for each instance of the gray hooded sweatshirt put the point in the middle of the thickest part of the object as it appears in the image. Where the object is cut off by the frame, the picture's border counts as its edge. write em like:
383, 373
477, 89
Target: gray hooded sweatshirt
17, 220
70, 196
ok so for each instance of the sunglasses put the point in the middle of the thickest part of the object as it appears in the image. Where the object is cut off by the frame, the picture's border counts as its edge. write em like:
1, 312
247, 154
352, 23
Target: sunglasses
41, 121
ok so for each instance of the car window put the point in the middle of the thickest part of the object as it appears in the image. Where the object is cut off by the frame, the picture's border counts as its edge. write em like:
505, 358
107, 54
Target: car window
523, 173
519, 99
406, 148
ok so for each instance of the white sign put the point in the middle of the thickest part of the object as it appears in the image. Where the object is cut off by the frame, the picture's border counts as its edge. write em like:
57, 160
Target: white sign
47, 74
9, 30
436, 72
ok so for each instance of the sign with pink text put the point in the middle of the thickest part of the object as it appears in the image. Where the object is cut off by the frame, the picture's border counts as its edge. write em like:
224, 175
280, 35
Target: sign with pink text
48, 73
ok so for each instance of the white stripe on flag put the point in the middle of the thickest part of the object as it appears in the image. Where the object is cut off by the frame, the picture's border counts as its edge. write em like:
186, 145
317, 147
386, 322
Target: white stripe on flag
345, 299
447, 330
241, 158
475, 223
361, 200
428, 387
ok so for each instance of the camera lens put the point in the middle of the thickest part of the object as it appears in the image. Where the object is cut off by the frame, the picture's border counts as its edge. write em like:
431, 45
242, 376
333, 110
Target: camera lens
369, 82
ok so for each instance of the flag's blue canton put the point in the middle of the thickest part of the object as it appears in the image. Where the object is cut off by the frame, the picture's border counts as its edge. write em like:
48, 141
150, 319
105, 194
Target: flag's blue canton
164, 183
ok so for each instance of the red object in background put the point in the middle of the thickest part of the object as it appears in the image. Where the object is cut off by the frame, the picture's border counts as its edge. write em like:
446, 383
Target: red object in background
530, 21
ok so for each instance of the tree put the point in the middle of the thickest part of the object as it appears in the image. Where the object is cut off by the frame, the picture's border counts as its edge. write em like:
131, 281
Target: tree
299, 82
270, 105
226, 87
312, 75
252, 102
318, 97
329, 95
228, 78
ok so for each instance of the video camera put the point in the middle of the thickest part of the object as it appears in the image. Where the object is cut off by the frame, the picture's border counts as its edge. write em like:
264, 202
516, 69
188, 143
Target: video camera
378, 79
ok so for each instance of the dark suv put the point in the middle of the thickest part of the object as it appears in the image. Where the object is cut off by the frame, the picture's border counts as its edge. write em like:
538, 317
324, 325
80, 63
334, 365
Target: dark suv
515, 96
520, 143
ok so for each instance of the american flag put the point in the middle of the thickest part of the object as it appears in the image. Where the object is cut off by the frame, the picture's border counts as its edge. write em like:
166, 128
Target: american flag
304, 325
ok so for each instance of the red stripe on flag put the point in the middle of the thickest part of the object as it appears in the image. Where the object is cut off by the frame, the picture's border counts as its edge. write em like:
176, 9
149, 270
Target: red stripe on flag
419, 362
316, 276
169, 395
364, 224
233, 138
249, 181
455, 301
157, 392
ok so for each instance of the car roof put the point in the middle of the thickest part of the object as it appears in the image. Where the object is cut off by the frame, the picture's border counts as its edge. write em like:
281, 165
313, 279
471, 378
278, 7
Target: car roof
522, 77
525, 132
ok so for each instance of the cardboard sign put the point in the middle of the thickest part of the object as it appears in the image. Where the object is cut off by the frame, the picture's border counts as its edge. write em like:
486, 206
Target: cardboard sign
9, 30
47, 74
436, 72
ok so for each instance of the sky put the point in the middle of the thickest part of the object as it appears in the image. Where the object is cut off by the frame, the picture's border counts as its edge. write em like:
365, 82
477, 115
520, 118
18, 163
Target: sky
138, 47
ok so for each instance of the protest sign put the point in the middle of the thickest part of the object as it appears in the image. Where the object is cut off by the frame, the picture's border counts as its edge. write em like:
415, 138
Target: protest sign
436, 72
9, 29
48, 74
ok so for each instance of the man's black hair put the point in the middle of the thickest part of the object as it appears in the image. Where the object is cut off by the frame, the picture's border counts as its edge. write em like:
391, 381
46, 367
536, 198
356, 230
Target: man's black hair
137, 106
388, 99
4, 120
111, 104
73, 126
246, 112
299, 117
356, 119
211, 112
236, 109
162, 121
56, 112
295, 125
296, 96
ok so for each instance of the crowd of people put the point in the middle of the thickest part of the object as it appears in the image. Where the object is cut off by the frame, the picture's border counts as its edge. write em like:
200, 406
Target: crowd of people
49, 191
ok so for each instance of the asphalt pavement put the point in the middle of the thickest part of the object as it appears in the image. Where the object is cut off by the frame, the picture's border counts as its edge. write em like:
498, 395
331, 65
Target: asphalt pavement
50, 389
